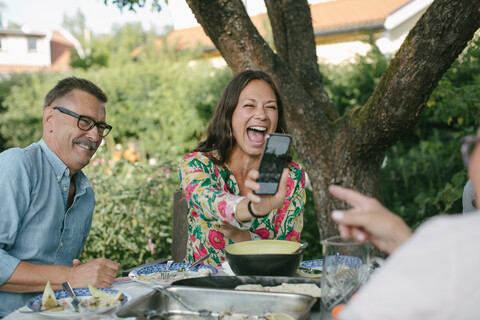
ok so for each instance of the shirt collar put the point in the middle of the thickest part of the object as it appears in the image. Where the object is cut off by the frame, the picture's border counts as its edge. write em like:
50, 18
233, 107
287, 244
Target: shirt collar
58, 166
61, 168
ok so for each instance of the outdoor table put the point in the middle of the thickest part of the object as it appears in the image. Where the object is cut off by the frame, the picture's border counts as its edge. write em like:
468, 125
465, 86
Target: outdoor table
132, 288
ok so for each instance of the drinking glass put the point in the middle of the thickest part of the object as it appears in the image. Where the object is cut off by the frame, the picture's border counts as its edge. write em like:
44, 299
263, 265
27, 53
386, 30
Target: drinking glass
346, 267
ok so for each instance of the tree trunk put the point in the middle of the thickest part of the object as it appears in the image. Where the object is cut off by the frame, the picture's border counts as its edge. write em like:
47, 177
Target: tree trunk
340, 149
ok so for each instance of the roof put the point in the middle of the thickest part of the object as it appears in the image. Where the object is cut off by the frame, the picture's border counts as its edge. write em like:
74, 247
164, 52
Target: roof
20, 32
59, 37
345, 14
335, 16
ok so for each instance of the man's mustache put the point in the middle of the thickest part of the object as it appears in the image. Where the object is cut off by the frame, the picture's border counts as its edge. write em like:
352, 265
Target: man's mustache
86, 142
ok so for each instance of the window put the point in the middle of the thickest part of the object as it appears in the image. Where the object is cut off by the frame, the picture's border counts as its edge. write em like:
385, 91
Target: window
32, 44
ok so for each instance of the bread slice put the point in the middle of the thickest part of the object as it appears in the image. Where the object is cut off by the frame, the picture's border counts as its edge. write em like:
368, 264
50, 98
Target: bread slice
48, 299
100, 294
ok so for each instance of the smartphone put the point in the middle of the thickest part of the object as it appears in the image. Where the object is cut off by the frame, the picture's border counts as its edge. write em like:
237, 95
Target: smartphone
272, 163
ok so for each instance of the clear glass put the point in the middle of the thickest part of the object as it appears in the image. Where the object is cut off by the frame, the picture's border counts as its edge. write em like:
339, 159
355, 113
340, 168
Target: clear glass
346, 266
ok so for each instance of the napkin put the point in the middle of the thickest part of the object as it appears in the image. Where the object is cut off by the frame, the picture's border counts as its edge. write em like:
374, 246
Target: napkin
227, 269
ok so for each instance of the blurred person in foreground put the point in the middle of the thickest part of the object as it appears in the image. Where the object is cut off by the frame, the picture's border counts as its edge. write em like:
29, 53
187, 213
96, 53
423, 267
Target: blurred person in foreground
218, 177
430, 274
47, 202
468, 198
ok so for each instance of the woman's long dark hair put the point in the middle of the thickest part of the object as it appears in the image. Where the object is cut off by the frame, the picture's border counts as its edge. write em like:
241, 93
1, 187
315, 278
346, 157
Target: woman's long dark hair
220, 133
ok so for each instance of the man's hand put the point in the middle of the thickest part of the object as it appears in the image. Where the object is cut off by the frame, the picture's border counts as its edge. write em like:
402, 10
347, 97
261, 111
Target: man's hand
368, 220
98, 273
29, 277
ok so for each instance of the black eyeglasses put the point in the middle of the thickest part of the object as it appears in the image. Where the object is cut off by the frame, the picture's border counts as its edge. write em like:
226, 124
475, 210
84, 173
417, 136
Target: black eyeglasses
468, 144
86, 123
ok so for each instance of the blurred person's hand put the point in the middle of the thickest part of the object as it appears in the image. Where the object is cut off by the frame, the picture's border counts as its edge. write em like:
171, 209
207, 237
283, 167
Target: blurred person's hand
368, 220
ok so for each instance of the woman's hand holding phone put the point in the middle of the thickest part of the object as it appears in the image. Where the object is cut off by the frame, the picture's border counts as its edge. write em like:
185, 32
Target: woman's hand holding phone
261, 205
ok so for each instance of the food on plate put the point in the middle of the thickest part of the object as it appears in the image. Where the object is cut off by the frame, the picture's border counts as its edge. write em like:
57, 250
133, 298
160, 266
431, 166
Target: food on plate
310, 289
100, 294
174, 275
204, 272
309, 273
281, 316
251, 287
98, 304
48, 299
266, 316
100, 300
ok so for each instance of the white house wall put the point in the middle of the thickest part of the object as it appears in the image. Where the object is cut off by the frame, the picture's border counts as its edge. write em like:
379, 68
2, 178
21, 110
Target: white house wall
15, 51
336, 53
397, 26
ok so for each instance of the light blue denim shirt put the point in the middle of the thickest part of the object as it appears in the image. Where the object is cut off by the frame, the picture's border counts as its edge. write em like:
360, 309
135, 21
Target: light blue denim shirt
35, 225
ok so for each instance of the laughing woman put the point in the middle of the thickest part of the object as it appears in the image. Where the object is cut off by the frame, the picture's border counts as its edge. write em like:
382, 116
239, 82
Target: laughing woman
218, 177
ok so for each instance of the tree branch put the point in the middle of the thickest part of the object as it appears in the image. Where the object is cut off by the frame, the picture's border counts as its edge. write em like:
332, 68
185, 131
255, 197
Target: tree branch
428, 51
233, 33
294, 39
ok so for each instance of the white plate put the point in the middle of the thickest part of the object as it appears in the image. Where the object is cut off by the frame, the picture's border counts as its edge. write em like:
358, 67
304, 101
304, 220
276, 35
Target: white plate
82, 294
316, 264
144, 274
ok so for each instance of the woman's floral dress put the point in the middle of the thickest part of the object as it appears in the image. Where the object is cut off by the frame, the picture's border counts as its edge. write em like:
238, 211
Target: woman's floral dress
210, 205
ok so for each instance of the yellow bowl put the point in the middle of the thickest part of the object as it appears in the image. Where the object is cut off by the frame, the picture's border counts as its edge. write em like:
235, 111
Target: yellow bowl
263, 247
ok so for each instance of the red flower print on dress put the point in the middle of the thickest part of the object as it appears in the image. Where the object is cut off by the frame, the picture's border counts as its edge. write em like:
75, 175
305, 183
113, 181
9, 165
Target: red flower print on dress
263, 233
302, 181
284, 207
277, 222
290, 186
221, 208
293, 236
190, 155
189, 191
202, 251
193, 238
216, 239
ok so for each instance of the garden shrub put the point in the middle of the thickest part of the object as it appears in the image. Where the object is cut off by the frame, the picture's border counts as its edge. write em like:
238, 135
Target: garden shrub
133, 212
159, 109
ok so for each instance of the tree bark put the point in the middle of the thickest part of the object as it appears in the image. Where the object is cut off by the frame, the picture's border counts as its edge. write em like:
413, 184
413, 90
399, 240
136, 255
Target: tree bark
342, 149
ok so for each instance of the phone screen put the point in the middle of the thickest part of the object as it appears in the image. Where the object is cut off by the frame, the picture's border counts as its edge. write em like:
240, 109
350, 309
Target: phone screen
273, 162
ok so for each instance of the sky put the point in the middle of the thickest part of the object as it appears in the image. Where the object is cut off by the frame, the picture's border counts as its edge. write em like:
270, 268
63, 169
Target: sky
47, 15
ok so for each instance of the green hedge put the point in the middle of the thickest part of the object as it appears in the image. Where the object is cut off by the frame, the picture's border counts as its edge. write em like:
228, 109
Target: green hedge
159, 109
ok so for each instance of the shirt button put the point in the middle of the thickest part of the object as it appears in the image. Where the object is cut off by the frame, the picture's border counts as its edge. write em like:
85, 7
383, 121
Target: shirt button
61, 244
58, 178
65, 189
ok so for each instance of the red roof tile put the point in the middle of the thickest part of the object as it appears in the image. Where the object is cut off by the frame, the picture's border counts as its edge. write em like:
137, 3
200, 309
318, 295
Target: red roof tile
345, 13
330, 15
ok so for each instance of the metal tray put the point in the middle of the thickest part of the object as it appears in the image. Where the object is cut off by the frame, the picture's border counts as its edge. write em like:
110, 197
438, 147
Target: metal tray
227, 282
157, 305
231, 282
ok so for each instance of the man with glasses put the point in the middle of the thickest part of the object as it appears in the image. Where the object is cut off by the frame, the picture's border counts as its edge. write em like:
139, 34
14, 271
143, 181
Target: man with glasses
47, 202
430, 274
